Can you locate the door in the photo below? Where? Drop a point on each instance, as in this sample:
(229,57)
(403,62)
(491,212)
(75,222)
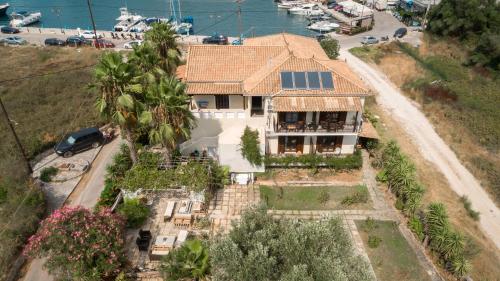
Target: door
(290,144)
(222,101)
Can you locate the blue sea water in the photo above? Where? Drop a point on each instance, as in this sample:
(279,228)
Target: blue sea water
(258,17)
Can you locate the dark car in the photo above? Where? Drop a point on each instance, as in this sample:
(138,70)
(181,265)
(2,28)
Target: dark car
(400,32)
(9,30)
(79,141)
(216,39)
(75,41)
(332,5)
(103,43)
(54,42)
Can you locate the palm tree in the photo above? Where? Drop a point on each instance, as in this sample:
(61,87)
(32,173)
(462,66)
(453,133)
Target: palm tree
(168,114)
(188,261)
(146,59)
(162,37)
(114,80)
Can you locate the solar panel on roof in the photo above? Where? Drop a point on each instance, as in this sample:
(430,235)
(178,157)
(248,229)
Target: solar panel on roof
(286,80)
(327,80)
(313,79)
(300,80)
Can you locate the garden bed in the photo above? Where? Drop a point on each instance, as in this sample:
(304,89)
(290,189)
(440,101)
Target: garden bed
(393,258)
(313,198)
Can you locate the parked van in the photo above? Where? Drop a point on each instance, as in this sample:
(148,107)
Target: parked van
(79,141)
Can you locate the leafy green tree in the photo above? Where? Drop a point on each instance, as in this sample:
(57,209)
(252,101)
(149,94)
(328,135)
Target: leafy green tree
(114,80)
(331,47)
(163,38)
(135,212)
(261,248)
(191,261)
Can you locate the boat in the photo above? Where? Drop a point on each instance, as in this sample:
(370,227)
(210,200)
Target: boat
(126,20)
(306,10)
(323,26)
(289,4)
(142,26)
(3,9)
(20,19)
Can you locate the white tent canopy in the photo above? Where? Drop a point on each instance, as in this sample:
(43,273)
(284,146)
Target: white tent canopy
(355,9)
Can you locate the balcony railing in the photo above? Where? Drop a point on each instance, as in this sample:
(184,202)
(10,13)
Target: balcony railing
(312,127)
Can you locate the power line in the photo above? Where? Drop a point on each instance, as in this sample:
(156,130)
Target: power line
(46,74)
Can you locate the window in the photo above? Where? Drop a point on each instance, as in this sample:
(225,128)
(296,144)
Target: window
(222,101)
(290,144)
(286,80)
(313,79)
(300,80)
(328,144)
(306,80)
(327,80)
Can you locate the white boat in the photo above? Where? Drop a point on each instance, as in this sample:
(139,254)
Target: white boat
(126,20)
(182,27)
(323,26)
(289,4)
(306,10)
(24,18)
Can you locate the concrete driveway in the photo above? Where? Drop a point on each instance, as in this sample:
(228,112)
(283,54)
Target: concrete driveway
(86,194)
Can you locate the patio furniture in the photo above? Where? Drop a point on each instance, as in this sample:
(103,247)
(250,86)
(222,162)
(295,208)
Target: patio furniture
(181,237)
(169,211)
(291,127)
(301,125)
(283,126)
(324,125)
(143,240)
(312,126)
(340,125)
(162,246)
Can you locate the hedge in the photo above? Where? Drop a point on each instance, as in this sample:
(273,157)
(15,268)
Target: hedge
(348,162)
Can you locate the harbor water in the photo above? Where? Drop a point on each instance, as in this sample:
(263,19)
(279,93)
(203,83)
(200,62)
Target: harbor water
(258,17)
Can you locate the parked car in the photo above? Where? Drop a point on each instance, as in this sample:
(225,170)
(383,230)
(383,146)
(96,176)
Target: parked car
(132,44)
(367,40)
(79,141)
(101,43)
(237,41)
(400,32)
(13,40)
(87,34)
(76,41)
(216,39)
(9,30)
(54,42)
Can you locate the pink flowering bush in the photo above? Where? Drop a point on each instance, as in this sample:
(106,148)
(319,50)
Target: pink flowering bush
(80,244)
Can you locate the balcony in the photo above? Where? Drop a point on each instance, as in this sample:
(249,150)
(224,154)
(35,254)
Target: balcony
(313,128)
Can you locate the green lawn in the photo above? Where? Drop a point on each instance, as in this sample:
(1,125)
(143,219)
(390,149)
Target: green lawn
(393,259)
(306,197)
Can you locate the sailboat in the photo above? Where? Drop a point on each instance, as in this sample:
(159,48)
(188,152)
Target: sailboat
(126,20)
(180,25)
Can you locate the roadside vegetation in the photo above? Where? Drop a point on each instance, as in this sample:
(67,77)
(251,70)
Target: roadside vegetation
(42,109)
(331,47)
(390,255)
(315,197)
(250,146)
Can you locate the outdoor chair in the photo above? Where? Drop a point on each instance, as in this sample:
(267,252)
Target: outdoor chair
(301,125)
(312,126)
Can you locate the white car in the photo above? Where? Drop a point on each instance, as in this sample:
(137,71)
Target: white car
(132,44)
(87,34)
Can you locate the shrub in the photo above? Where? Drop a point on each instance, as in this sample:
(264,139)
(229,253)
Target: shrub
(468,207)
(47,173)
(369,224)
(331,47)
(188,262)
(374,241)
(360,196)
(134,211)
(250,146)
(415,225)
(323,197)
(79,244)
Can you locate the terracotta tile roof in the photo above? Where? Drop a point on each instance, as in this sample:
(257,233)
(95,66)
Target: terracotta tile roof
(180,73)
(304,104)
(211,63)
(254,68)
(214,89)
(299,46)
(271,84)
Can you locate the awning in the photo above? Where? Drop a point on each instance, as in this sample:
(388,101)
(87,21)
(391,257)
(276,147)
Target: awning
(326,104)
(368,131)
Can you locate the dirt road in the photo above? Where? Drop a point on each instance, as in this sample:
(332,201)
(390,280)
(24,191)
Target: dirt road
(430,144)
(85,194)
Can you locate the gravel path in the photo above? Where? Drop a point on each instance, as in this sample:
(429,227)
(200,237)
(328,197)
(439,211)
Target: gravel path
(431,146)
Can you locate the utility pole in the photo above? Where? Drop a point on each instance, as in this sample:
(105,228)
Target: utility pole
(6,115)
(93,22)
